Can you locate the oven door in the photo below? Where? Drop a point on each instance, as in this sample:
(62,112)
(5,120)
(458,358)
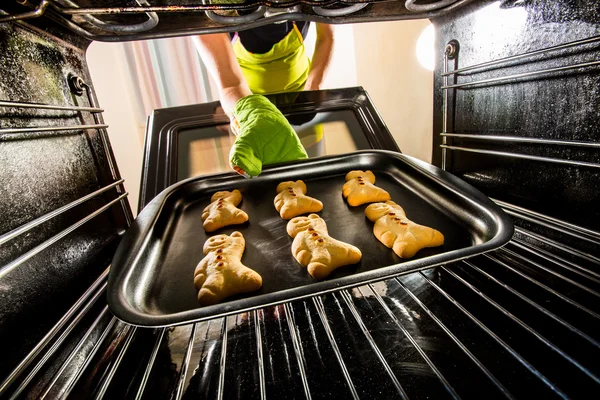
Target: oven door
(187,141)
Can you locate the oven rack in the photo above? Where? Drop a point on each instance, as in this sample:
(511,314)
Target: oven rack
(450,90)
(78,87)
(208,17)
(112,193)
(527,324)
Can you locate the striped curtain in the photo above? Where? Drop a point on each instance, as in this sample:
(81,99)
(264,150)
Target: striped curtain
(168,73)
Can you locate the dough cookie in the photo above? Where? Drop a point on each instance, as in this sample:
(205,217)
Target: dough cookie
(292,201)
(220,273)
(314,249)
(360,189)
(223,211)
(393,229)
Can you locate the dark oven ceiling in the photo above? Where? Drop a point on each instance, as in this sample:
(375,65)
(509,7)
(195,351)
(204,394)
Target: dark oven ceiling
(120,20)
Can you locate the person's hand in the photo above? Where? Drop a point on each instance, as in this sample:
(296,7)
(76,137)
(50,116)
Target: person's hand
(263,136)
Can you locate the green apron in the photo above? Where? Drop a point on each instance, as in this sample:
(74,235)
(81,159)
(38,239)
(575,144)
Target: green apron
(284,68)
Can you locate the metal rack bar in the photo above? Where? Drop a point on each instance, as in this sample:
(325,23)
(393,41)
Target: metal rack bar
(412,6)
(523,325)
(557,245)
(533,304)
(131,330)
(172,8)
(223,359)
(517,139)
(44,245)
(185,365)
(560,223)
(259,352)
(321,311)
(97,23)
(89,357)
(151,361)
(61,14)
(522,75)
(89,298)
(16,104)
(348,300)
(407,334)
(107,149)
(339,12)
(445,107)
(545,287)
(259,12)
(457,341)
(82,342)
(560,276)
(37,12)
(289,316)
(38,221)
(551,226)
(559,261)
(525,55)
(523,156)
(501,342)
(51,128)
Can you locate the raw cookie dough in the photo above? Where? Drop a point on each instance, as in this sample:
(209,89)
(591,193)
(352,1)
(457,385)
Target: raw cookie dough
(292,201)
(220,273)
(394,230)
(360,189)
(223,211)
(314,249)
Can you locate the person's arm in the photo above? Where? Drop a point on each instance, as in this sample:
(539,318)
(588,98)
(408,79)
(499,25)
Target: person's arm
(219,58)
(321,58)
(263,135)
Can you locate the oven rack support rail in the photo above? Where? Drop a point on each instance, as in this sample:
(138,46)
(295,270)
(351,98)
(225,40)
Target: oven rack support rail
(99,360)
(449,96)
(112,194)
(78,87)
(219,17)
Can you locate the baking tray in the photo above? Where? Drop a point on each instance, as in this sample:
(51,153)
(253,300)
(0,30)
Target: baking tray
(151,277)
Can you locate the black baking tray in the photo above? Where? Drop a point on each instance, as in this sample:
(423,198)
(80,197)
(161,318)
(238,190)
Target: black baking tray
(151,278)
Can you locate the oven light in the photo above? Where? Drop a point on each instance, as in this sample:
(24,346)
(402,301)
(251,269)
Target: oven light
(425,48)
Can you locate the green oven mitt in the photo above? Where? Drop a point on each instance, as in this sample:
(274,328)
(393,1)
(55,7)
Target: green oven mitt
(263,136)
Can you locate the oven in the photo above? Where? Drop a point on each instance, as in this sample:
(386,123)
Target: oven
(516,115)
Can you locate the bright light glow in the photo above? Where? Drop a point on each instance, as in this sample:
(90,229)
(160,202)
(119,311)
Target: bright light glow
(492,19)
(425,48)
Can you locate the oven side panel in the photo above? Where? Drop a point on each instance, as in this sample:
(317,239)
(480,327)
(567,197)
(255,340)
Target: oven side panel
(527,134)
(62,208)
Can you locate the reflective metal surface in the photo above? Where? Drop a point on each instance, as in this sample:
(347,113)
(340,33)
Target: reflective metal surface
(118,20)
(60,218)
(150,282)
(521,119)
(520,322)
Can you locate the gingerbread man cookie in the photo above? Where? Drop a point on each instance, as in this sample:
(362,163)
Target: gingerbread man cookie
(292,201)
(393,229)
(360,189)
(220,273)
(314,249)
(223,211)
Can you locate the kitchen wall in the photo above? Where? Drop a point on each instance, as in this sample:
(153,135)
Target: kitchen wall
(401,88)
(110,75)
(381,57)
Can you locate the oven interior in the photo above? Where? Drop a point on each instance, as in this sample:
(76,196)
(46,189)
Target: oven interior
(515,115)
